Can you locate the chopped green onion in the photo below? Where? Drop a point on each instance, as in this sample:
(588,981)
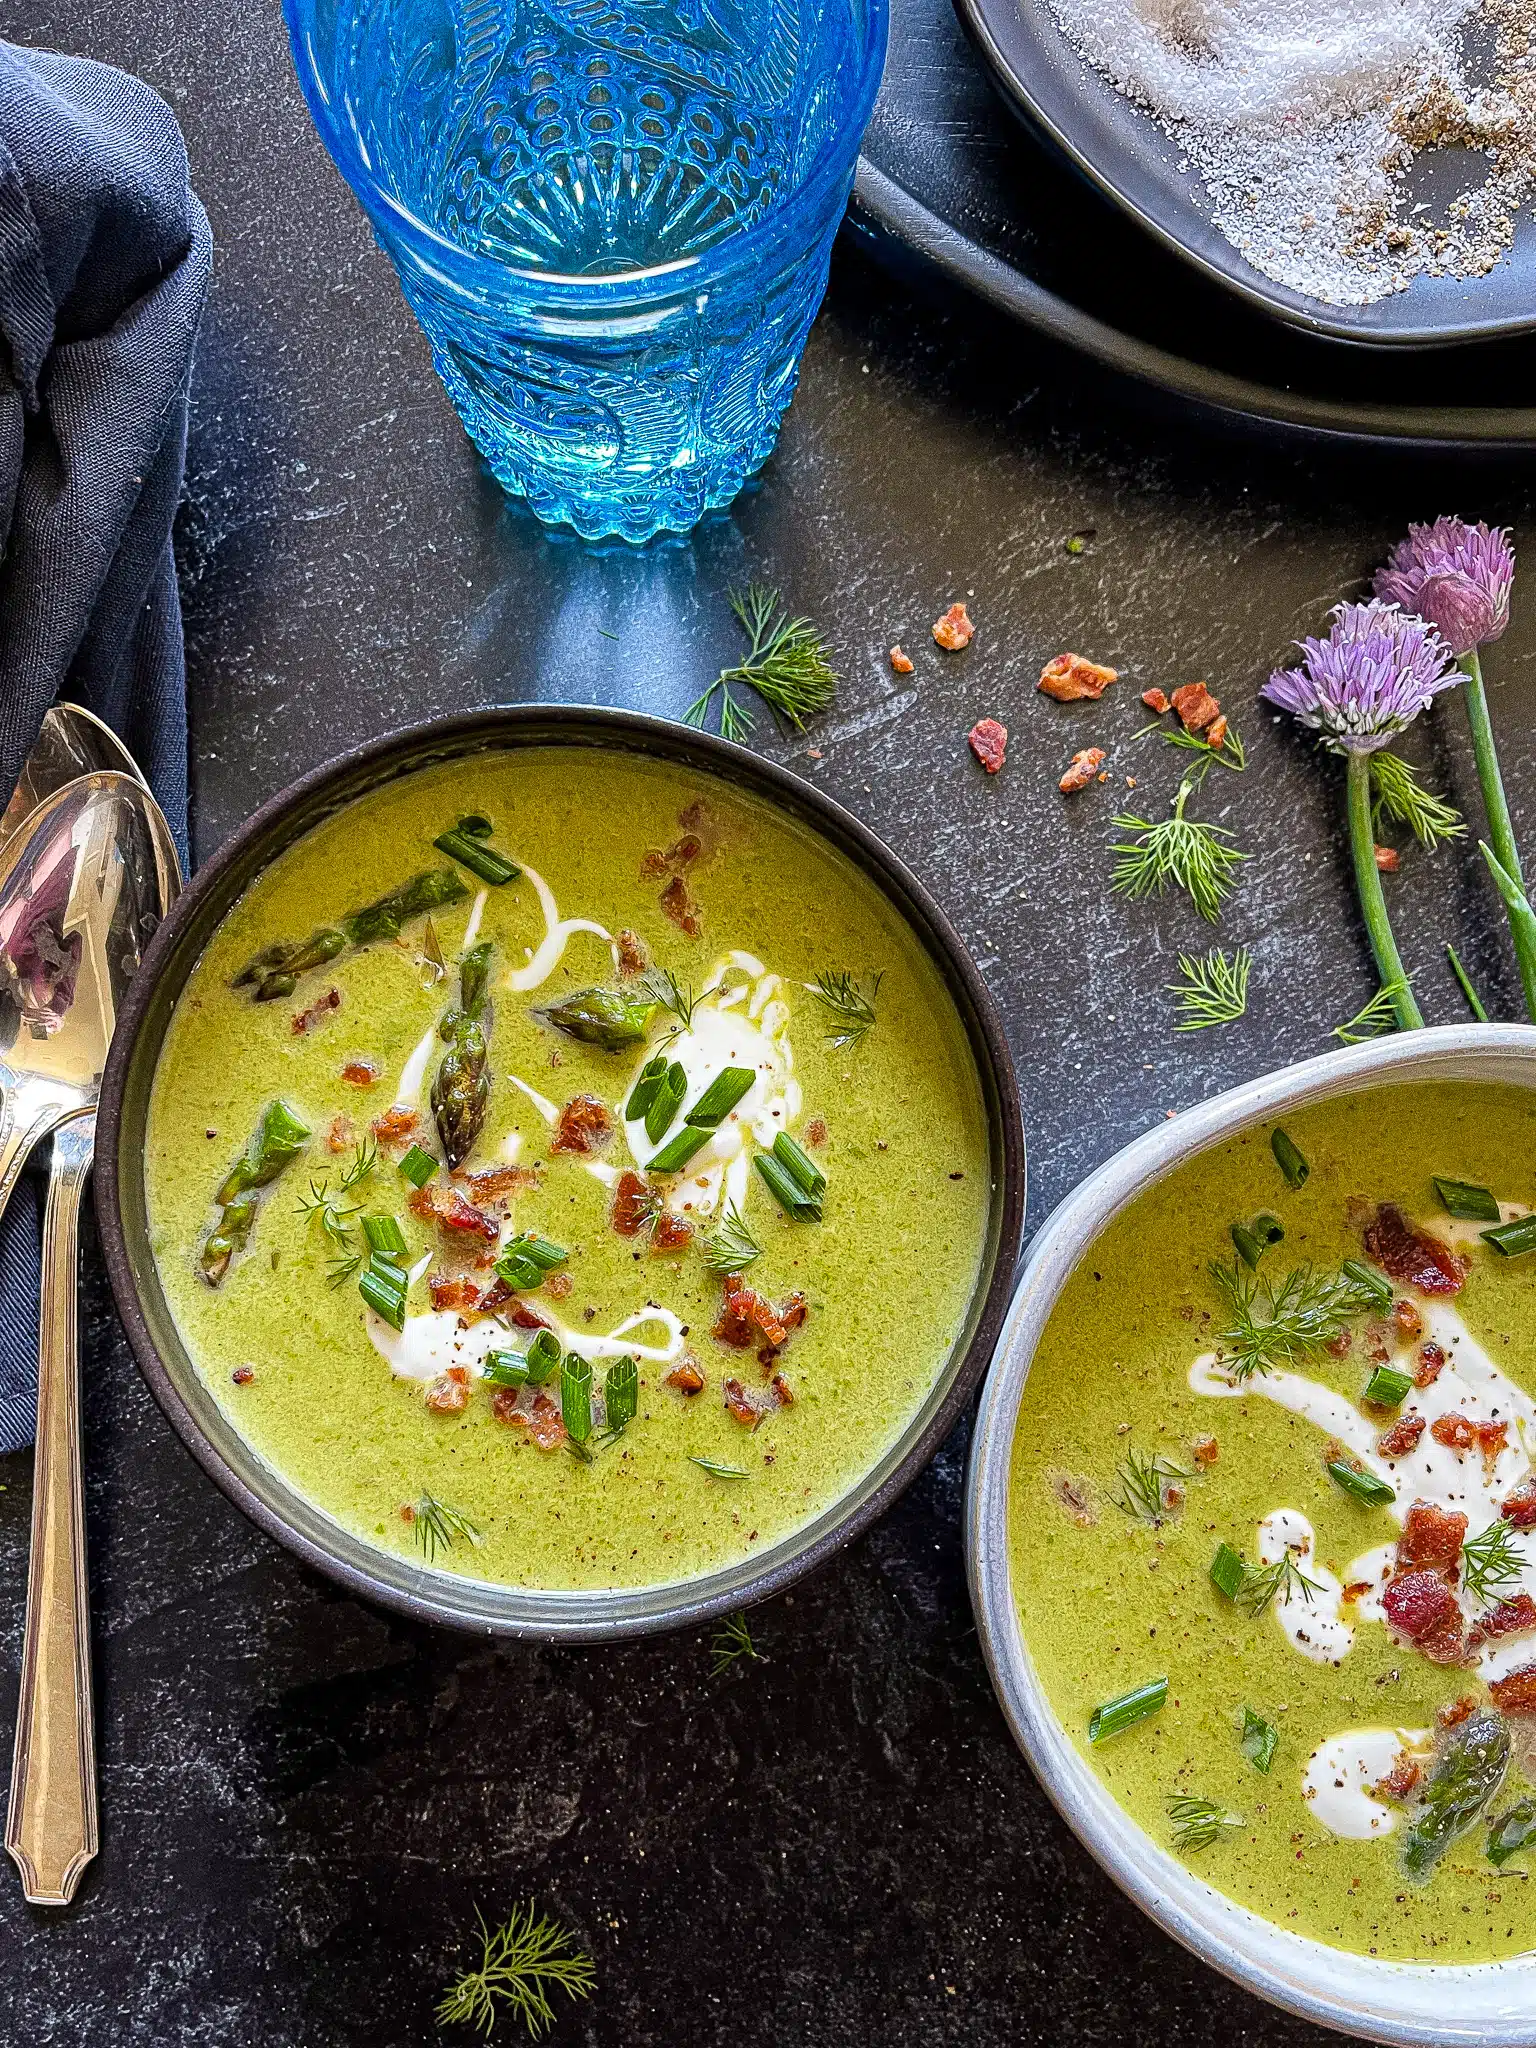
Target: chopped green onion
(1254,1239)
(576,1397)
(1115,1716)
(477,825)
(506,1368)
(1466,1199)
(680,1148)
(542,1358)
(1288,1158)
(786,1191)
(519,1271)
(1258,1740)
(480,859)
(383,1296)
(644,1092)
(538,1249)
(716,1470)
(384,1234)
(418,1166)
(721,1096)
(1516,1831)
(1387,1387)
(621,1394)
(1512,1239)
(666,1102)
(1364,1487)
(800,1166)
(1228,1571)
(1368,1282)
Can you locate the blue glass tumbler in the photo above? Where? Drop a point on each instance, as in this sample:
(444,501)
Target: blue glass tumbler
(612,218)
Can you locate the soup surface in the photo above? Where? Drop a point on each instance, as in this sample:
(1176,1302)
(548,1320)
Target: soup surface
(538,1223)
(1271,1511)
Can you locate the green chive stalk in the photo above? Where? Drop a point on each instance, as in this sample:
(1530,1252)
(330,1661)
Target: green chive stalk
(1373,902)
(1501,831)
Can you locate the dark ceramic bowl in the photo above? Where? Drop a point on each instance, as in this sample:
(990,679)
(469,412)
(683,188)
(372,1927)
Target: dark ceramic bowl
(276,1506)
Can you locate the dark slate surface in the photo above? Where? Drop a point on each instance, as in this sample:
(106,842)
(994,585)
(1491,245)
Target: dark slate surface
(303,1800)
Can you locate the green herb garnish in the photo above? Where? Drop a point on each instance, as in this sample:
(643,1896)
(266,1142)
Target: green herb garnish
(1258,1741)
(417,1166)
(1515,1831)
(524,1262)
(1231,753)
(275,1143)
(730,1247)
(385,1235)
(787,664)
(334,1216)
(437,1526)
(1379,1014)
(1399,798)
(469,849)
(505,1368)
(542,1358)
(1253,1240)
(1387,1388)
(274,972)
(666,1102)
(1490,1561)
(1283,1580)
(1143,1486)
(1228,1571)
(720,1097)
(621,1395)
(1198,1822)
(668,993)
(1372,1288)
(1464,982)
(1514,1238)
(794,1179)
(730,1643)
(1364,1487)
(680,1148)
(1466,1775)
(1115,1716)
(716,1470)
(1278,1322)
(383,1287)
(520,1963)
(339,1270)
(851,1009)
(1464,1198)
(646,1089)
(364,1159)
(1289,1158)
(800,1166)
(576,1397)
(1194,856)
(1214,988)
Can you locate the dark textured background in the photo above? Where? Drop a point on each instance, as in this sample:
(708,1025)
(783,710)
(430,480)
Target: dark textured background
(303,1799)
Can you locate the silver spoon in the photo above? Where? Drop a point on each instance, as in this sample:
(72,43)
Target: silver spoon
(83,886)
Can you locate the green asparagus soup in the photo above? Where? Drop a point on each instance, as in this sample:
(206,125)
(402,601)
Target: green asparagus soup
(567,1170)
(1270,1514)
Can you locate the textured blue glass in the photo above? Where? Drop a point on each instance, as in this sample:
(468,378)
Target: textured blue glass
(613,219)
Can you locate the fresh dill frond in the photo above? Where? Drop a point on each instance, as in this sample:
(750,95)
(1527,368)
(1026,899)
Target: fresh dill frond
(1198,1822)
(664,989)
(843,997)
(333,1214)
(1283,1580)
(1379,1015)
(1194,856)
(1399,798)
(521,1962)
(1278,1322)
(364,1160)
(730,1246)
(787,663)
(1464,983)
(340,1269)
(730,1643)
(1214,989)
(1231,753)
(1144,1483)
(1491,1561)
(438,1527)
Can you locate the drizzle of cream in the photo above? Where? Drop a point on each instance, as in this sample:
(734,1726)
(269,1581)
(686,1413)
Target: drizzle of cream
(437,1339)
(1309,1616)
(541,1103)
(558,932)
(414,1072)
(472,928)
(1339,1778)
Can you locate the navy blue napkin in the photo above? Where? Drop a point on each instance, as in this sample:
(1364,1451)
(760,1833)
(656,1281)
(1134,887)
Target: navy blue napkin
(105,257)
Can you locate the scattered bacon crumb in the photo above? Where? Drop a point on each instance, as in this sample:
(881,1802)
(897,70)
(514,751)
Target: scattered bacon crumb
(902,663)
(1412,1257)
(670,1233)
(747,1407)
(504,1403)
(1421,1608)
(794,1311)
(407,1513)
(1519,1508)
(339,1137)
(685,1376)
(633,958)
(1431,1541)
(447,1208)
(633,1204)
(989,743)
(1070,679)
(746,1313)
(1081,770)
(1340,1346)
(1073,1496)
(653,865)
(1455,1431)
(678,904)
(1405,1773)
(1492,1439)
(1206,1451)
(1402,1437)
(1357,1589)
(1430,1365)
(243,1375)
(1515,1694)
(1454,1712)
(318,1011)
(816,1131)
(1407,1318)
(682,853)
(558,1286)
(454,1291)
(448,1394)
(585,1126)
(496,1183)
(1387,859)
(1156,700)
(361,1073)
(542,1421)
(1196,707)
(782,1388)
(523,1317)
(954,630)
(1508,1618)
(395,1126)
(1216,734)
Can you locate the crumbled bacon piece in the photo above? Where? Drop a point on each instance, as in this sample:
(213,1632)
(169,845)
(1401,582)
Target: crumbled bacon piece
(678,904)
(682,853)
(558,1286)
(1402,1437)
(1431,1541)
(633,1204)
(744,1314)
(447,1208)
(670,1233)
(1081,770)
(1216,734)
(781,1387)
(243,1375)
(1519,1508)
(454,1291)
(1074,1498)
(361,1073)
(1387,859)
(653,865)
(504,1403)
(794,1311)
(1508,1618)
(685,1376)
(1412,1257)
(1407,1319)
(1515,1694)
(1206,1450)
(1070,679)
(633,958)
(989,743)
(1340,1346)
(395,1126)
(1196,707)
(542,1421)
(306,1020)
(585,1125)
(1455,1431)
(1421,1608)
(522,1317)
(816,1131)
(954,629)
(448,1393)
(1357,1589)
(339,1137)
(496,1183)
(1492,1439)
(1156,700)
(1431,1363)
(1404,1775)
(747,1407)
(1454,1712)
(902,663)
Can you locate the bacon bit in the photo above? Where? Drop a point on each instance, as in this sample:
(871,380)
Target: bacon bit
(1407,1318)
(782,1388)
(1387,859)
(243,1375)
(1509,1618)
(395,1126)
(1216,734)
(454,1291)
(1405,1773)
(749,1408)
(447,1395)
(1070,679)
(633,1204)
(1431,1541)
(1430,1366)
(447,1208)
(653,865)
(1156,700)
(1412,1257)
(816,1131)
(1455,1431)
(407,1513)
(902,663)
(558,1286)
(1081,770)
(1206,1451)
(633,958)
(1421,1608)
(585,1126)
(498,1182)
(306,1020)
(678,904)
(504,1404)
(989,743)
(542,1422)
(794,1311)
(1340,1346)
(361,1073)
(1357,1589)
(670,1233)
(1402,1437)
(339,1137)
(745,1314)
(522,1317)
(1515,1694)
(1454,1712)
(954,630)
(685,1376)
(1519,1509)
(1072,1495)
(1492,1438)
(1196,707)
(682,853)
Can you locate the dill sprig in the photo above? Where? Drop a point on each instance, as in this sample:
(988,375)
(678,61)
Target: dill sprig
(364,1160)
(1214,990)
(1231,753)
(1283,1580)
(1490,1561)
(1144,1483)
(787,664)
(730,1643)
(438,1527)
(851,1010)
(1379,1015)
(1194,856)
(1198,1822)
(1399,798)
(730,1246)
(1464,983)
(339,1270)
(1276,1322)
(521,1962)
(334,1214)
(663,988)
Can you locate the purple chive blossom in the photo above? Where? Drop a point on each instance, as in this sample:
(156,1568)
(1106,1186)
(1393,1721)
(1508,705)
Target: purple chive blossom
(1455,575)
(1369,679)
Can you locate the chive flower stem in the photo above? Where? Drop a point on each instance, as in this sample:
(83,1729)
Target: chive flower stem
(1373,902)
(1501,830)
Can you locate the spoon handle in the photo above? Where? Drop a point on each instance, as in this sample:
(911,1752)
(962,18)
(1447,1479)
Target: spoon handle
(51,1827)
